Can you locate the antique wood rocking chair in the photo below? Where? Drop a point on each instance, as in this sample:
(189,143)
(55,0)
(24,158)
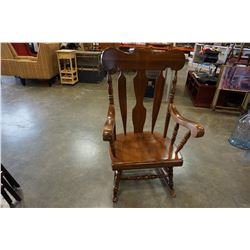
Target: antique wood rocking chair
(144,149)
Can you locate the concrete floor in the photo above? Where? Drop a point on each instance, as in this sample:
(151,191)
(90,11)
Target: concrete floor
(52,144)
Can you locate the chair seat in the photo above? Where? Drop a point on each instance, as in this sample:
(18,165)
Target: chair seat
(140,150)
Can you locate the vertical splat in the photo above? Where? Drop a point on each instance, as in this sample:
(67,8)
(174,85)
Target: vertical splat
(139,111)
(172,141)
(122,92)
(159,87)
(110,89)
(183,142)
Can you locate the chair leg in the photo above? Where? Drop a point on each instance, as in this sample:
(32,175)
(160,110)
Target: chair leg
(51,81)
(23,81)
(171,181)
(167,179)
(117,176)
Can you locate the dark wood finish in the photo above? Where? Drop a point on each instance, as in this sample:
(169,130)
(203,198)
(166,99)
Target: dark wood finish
(168,179)
(200,94)
(196,129)
(122,91)
(110,89)
(183,142)
(109,131)
(109,127)
(175,132)
(142,60)
(117,177)
(159,87)
(144,149)
(170,100)
(139,111)
(143,177)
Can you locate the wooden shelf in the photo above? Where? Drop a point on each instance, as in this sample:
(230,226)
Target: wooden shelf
(67,77)
(69,71)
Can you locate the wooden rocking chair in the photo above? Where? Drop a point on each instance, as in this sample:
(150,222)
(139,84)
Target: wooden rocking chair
(144,149)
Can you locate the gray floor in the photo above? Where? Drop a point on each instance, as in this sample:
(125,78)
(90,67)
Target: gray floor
(52,144)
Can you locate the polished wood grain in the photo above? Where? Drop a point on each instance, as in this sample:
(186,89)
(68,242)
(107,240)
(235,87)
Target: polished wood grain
(110,89)
(170,100)
(183,142)
(175,132)
(122,92)
(159,88)
(109,131)
(109,126)
(173,138)
(143,177)
(139,111)
(144,149)
(142,59)
(196,129)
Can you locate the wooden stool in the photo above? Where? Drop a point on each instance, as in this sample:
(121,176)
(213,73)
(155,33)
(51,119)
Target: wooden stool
(67,66)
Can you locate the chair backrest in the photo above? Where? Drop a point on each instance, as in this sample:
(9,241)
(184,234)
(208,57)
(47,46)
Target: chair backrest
(6,52)
(141,60)
(22,49)
(47,58)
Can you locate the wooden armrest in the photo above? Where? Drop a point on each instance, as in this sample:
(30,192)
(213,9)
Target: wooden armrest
(108,131)
(196,129)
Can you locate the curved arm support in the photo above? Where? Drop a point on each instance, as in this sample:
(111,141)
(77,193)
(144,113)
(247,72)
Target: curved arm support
(196,129)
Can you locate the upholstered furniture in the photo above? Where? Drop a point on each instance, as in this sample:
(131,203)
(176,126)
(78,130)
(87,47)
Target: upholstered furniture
(140,149)
(43,66)
(22,49)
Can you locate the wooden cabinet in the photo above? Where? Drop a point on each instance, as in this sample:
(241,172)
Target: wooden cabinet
(67,66)
(201,94)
